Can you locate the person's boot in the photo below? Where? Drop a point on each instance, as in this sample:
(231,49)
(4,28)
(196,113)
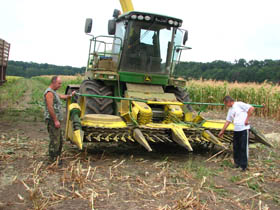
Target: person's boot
(60,162)
(244,169)
(52,159)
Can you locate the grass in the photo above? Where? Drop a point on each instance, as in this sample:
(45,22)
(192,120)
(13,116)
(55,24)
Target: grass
(227,163)
(12,78)
(254,185)
(200,170)
(12,91)
(42,82)
(66,80)
(22,98)
(235,178)
(31,114)
(220,191)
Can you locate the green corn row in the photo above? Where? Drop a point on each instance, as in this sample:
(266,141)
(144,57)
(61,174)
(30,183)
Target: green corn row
(213,92)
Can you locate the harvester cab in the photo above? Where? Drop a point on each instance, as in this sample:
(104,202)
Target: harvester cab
(142,48)
(130,93)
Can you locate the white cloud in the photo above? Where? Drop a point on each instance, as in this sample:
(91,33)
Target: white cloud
(52,31)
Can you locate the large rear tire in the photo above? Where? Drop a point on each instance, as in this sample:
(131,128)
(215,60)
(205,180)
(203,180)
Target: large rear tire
(97,105)
(181,95)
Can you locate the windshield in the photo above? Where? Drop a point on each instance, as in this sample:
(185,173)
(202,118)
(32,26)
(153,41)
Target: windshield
(146,47)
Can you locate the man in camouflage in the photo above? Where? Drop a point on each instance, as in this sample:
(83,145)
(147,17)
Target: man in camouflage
(53,117)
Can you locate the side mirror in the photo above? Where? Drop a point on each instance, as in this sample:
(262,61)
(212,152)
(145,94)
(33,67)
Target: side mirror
(88,25)
(116,13)
(112,27)
(185,39)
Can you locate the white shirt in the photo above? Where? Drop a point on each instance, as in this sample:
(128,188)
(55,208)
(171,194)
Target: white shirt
(238,114)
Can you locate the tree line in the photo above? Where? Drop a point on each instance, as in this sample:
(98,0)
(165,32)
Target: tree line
(240,70)
(31,69)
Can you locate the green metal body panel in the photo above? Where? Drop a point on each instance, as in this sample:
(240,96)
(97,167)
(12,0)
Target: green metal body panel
(133,77)
(177,82)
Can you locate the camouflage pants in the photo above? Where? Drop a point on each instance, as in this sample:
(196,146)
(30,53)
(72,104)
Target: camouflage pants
(56,140)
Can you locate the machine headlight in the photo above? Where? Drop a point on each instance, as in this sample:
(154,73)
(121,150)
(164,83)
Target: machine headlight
(176,23)
(133,17)
(170,22)
(147,18)
(180,24)
(111,77)
(140,17)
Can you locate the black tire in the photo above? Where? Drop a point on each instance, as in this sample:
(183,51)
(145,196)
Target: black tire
(97,105)
(181,95)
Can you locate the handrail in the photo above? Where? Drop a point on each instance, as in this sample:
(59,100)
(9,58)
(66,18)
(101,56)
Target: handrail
(149,101)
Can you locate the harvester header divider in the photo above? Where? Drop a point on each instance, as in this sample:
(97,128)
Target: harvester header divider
(156,102)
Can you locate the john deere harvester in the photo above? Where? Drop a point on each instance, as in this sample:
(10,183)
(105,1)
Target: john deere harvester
(131,94)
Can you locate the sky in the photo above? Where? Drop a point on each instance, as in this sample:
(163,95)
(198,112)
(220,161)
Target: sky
(52,31)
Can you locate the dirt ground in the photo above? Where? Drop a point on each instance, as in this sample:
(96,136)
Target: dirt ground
(126,176)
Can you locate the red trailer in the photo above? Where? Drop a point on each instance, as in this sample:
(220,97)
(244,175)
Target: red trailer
(4,56)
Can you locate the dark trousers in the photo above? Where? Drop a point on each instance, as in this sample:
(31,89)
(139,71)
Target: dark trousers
(56,140)
(240,148)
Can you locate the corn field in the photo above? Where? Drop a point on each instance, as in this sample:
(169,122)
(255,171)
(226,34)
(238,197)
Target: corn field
(266,94)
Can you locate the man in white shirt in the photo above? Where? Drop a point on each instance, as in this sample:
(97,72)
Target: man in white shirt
(238,113)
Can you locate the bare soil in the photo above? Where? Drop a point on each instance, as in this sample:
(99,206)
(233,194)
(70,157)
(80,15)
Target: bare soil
(126,176)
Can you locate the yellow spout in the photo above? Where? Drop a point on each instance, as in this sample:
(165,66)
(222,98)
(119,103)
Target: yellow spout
(127,5)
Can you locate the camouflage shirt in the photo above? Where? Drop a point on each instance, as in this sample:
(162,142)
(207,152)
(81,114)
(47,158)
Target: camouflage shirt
(57,105)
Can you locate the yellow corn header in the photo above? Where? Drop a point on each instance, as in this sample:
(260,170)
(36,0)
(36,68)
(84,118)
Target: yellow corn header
(135,125)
